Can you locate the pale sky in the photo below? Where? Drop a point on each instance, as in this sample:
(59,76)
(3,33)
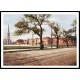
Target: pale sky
(64,20)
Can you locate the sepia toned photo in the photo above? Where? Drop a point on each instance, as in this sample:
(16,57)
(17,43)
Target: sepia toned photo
(39,39)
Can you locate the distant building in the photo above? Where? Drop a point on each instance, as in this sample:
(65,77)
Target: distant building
(7,40)
(4,41)
(47,41)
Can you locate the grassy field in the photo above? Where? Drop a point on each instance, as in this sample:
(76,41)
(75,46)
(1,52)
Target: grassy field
(19,47)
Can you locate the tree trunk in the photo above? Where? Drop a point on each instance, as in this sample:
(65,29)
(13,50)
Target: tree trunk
(75,36)
(41,45)
(51,36)
(57,46)
(67,42)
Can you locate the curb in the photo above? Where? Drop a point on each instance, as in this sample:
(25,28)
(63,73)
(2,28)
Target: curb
(20,50)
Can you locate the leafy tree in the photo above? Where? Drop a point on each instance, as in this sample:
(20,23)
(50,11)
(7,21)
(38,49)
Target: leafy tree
(32,22)
(20,41)
(74,24)
(57,33)
(67,35)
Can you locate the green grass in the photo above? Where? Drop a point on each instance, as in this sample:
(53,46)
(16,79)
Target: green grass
(18,47)
(27,47)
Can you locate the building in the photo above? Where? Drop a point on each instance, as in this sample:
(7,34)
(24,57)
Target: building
(7,41)
(47,41)
(4,41)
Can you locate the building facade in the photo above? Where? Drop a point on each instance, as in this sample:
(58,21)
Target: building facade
(47,41)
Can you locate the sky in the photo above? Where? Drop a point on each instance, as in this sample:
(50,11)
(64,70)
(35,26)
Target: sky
(64,20)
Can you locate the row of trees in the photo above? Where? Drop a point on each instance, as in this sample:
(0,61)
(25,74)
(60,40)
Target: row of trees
(33,23)
(67,34)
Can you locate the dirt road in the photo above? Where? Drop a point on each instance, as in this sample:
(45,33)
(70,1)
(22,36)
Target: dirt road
(62,56)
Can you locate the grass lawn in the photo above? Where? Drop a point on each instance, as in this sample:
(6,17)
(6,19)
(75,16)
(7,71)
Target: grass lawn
(27,47)
(18,47)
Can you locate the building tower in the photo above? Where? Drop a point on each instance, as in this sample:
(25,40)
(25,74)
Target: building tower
(8,36)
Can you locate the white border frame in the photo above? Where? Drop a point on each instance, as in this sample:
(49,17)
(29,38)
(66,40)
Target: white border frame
(77,13)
